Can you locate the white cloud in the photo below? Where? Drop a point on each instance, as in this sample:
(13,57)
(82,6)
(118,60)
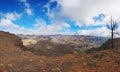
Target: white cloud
(11,16)
(49,12)
(7,19)
(66,25)
(103,31)
(52,13)
(83,11)
(80,11)
(27,7)
(39,28)
(7,23)
(53,28)
(29,12)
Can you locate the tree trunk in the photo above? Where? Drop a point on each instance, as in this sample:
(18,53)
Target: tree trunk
(112,39)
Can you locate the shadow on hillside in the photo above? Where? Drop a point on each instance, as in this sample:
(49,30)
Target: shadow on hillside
(107,46)
(48,48)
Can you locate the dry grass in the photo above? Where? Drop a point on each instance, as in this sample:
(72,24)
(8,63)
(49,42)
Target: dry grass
(27,42)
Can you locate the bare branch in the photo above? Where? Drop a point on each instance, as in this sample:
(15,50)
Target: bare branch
(113,25)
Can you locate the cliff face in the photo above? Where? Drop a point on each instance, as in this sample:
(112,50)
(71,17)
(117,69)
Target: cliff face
(9,39)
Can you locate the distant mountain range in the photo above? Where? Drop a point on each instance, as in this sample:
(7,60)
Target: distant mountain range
(78,41)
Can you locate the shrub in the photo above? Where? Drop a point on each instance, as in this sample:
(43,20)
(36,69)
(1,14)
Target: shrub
(66,67)
(117,61)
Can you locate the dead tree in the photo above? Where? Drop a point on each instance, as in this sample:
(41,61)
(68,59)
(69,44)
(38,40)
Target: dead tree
(112,26)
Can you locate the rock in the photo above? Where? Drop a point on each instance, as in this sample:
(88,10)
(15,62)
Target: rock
(84,63)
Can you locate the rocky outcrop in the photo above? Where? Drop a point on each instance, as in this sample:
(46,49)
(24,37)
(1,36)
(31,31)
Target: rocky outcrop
(10,39)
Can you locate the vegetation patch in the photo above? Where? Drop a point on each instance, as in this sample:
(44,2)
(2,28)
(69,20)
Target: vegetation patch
(66,67)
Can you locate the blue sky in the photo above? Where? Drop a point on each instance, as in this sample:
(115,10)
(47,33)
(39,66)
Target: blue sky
(48,17)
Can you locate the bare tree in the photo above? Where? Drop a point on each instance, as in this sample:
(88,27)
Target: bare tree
(112,26)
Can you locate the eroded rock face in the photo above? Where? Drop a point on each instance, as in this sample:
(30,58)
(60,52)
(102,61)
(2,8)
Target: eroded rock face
(10,39)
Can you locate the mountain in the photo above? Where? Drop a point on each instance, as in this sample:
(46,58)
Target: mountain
(95,39)
(76,41)
(55,45)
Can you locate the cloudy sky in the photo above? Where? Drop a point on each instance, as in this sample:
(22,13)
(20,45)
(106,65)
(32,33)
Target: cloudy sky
(48,17)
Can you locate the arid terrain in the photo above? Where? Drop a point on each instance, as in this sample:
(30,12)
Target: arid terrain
(52,54)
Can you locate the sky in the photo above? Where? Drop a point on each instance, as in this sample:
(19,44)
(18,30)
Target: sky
(67,17)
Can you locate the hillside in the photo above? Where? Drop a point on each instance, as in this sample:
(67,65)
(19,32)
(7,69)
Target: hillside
(49,48)
(107,44)
(14,58)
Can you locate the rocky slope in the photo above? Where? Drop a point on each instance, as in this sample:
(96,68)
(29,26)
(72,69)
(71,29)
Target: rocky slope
(107,44)
(13,58)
